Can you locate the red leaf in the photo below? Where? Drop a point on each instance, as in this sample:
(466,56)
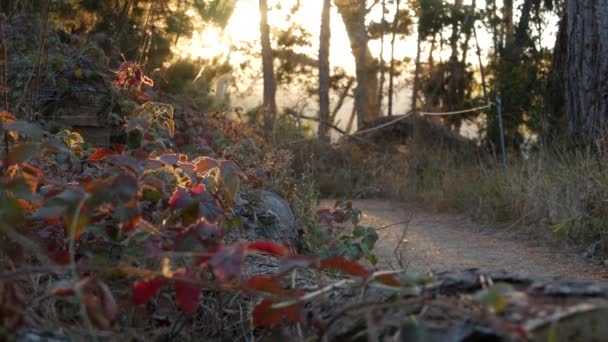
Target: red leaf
(325,216)
(269,248)
(348,266)
(228,262)
(180,199)
(143,290)
(265,284)
(100,154)
(342,216)
(61,257)
(265,316)
(63,292)
(118,148)
(186,292)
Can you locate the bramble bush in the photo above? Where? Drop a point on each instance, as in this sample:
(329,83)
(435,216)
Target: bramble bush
(97,240)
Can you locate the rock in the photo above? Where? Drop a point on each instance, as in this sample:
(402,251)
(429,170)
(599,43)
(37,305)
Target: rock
(593,250)
(276,206)
(266,216)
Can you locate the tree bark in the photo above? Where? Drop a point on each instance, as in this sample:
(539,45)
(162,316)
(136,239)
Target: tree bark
(587,68)
(416,75)
(324,40)
(391,85)
(382,62)
(352,14)
(270,85)
(555,121)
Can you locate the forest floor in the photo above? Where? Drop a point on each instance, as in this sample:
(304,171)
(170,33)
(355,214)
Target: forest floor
(440,242)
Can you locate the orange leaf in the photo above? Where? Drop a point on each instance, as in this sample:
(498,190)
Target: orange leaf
(100,154)
(269,248)
(388,279)
(342,264)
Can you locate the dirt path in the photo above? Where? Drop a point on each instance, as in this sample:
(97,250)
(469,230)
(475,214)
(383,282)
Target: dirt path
(437,242)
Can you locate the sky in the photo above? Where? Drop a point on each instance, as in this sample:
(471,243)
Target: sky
(243,27)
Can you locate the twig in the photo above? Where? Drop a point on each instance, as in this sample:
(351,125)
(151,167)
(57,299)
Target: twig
(36,90)
(74,270)
(4,92)
(397,252)
(392,225)
(313,294)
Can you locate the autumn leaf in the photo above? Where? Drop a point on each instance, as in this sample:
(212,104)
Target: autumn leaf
(264,315)
(180,199)
(23,153)
(144,290)
(170,126)
(347,266)
(187,293)
(388,279)
(100,154)
(265,284)
(325,216)
(269,248)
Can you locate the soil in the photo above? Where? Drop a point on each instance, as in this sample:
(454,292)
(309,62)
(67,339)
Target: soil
(439,242)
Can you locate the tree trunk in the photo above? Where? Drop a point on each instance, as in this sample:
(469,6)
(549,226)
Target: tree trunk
(587,68)
(416,75)
(507,22)
(391,85)
(324,71)
(352,14)
(270,85)
(382,63)
(455,30)
(555,121)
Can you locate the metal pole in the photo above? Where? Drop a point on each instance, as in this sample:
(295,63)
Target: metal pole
(502,138)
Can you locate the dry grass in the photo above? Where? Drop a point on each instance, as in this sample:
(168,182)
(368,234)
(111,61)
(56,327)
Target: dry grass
(554,192)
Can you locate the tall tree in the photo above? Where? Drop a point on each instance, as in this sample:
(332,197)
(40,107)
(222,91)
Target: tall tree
(324,40)
(353,14)
(270,85)
(382,62)
(587,68)
(391,82)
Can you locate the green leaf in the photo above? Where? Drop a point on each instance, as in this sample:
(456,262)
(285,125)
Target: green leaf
(358,231)
(494,296)
(27,128)
(373,259)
